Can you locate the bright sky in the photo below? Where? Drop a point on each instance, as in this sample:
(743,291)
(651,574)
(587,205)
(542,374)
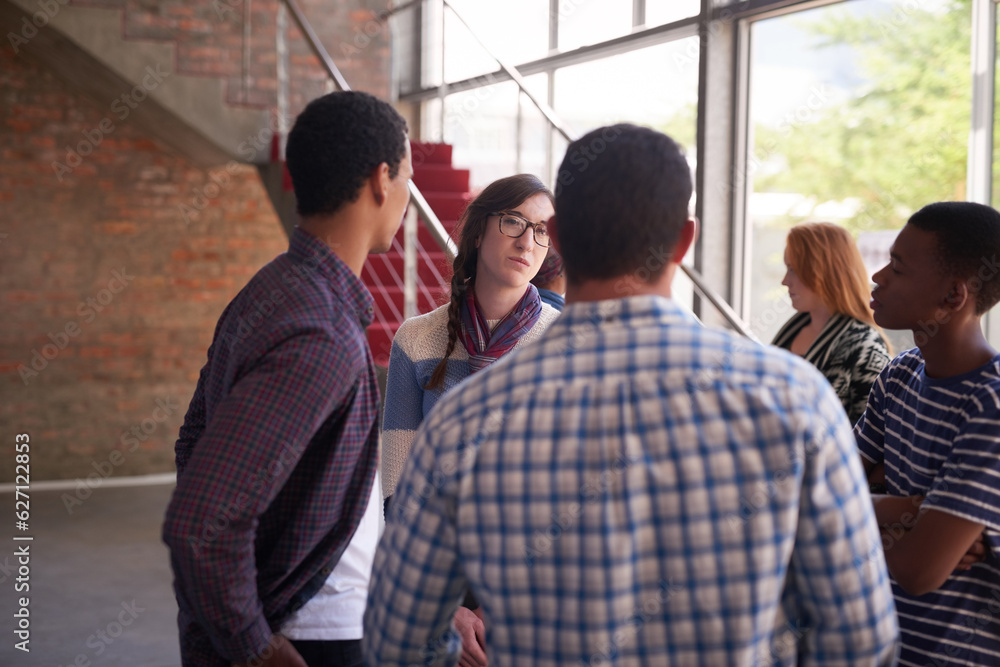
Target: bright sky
(789,69)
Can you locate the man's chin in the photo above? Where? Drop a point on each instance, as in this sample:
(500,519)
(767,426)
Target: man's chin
(380,248)
(887,323)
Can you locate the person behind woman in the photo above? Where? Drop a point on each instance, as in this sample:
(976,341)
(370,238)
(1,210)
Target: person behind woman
(493,310)
(551,280)
(834,328)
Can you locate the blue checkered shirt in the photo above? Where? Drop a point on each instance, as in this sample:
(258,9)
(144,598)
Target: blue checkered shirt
(636,489)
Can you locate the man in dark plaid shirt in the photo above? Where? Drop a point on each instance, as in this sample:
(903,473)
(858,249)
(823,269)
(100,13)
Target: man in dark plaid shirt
(279,449)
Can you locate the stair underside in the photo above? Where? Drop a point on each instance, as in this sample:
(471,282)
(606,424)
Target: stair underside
(85,46)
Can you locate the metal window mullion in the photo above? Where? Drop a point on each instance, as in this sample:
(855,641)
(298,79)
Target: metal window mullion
(638,13)
(642,39)
(518,135)
(410,263)
(984,39)
(281,56)
(717,164)
(979,176)
(444,83)
(550,158)
(553,25)
(742,238)
(764,9)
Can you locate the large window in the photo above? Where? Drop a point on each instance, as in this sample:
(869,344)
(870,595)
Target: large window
(659,12)
(656,86)
(497,130)
(859,115)
(583,23)
(516,31)
(481,124)
(854,112)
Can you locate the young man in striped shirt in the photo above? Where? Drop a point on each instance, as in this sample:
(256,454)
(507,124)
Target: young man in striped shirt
(933,425)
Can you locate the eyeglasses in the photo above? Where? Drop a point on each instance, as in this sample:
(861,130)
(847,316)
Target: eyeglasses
(515,226)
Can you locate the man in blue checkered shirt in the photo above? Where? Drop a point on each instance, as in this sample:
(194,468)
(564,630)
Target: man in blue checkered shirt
(634,488)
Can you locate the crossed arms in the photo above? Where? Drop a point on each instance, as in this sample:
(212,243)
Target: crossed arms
(923,546)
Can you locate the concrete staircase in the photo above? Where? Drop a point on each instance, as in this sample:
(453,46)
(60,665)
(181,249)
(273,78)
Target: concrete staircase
(138,72)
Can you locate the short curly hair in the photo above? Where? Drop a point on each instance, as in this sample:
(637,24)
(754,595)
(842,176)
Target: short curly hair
(968,236)
(336,143)
(621,203)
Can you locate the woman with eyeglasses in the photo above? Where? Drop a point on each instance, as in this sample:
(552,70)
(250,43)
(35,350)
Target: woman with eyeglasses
(493,310)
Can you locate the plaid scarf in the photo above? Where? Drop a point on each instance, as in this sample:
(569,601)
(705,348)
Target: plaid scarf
(485,347)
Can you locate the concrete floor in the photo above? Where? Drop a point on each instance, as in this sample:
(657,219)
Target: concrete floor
(100,581)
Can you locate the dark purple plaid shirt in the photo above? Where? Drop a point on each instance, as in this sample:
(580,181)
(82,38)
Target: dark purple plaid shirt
(277,454)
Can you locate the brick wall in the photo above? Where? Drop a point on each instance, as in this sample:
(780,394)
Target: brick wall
(110,293)
(115,272)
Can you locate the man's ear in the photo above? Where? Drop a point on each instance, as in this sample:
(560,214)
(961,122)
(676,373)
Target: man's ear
(553,229)
(378,182)
(958,295)
(689,233)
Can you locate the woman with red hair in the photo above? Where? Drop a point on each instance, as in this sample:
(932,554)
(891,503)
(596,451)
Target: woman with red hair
(834,328)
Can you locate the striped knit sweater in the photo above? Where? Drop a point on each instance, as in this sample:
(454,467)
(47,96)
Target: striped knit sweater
(416,350)
(849,353)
